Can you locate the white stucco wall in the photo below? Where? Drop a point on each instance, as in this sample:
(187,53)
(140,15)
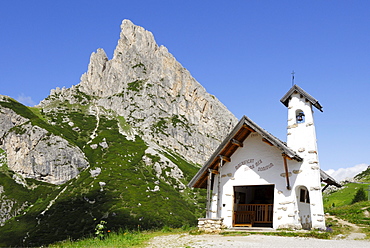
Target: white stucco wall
(258,163)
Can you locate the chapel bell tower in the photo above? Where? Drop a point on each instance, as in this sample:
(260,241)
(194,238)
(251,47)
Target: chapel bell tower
(301,136)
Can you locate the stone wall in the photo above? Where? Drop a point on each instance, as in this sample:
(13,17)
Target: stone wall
(214,225)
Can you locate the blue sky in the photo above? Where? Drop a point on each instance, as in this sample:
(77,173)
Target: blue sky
(243,52)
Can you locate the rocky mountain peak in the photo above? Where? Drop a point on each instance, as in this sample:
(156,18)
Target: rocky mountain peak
(136,37)
(156,95)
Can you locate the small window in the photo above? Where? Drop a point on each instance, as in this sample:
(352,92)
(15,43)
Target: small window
(304,196)
(300,117)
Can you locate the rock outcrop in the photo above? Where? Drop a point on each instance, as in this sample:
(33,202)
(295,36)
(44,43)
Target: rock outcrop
(33,152)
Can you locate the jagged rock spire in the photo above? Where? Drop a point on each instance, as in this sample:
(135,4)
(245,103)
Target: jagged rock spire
(145,84)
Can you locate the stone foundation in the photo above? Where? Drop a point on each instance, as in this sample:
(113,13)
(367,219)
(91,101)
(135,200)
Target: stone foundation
(290,226)
(208,225)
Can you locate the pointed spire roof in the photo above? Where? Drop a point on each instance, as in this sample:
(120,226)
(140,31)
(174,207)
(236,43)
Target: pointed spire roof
(308,97)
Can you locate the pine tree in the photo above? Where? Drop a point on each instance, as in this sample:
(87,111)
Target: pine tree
(359,196)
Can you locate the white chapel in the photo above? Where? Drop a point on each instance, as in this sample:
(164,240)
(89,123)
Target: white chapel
(254,179)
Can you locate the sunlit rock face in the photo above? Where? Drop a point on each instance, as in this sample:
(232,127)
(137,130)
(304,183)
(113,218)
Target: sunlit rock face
(158,97)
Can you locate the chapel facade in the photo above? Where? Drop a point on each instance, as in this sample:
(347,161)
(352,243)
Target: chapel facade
(253,179)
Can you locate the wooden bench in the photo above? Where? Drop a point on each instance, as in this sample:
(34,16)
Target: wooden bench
(244,218)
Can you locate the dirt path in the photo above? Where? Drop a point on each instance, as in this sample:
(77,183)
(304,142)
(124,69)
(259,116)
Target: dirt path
(355,233)
(354,239)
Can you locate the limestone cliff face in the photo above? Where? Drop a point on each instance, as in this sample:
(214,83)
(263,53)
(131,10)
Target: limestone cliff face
(145,84)
(33,152)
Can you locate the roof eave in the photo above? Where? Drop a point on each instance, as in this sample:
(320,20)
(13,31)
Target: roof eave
(216,153)
(285,99)
(328,179)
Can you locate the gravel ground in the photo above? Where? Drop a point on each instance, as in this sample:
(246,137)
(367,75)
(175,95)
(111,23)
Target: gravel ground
(354,239)
(207,240)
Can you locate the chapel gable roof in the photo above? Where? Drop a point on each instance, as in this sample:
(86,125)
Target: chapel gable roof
(232,142)
(308,97)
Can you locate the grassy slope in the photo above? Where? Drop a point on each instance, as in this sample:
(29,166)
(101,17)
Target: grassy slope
(343,196)
(123,238)
(339,203)
(36,197)
(125,201)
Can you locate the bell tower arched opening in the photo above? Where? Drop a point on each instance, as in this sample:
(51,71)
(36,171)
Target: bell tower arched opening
(299,116)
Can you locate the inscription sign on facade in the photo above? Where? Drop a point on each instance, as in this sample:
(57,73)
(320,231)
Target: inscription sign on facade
(251,165)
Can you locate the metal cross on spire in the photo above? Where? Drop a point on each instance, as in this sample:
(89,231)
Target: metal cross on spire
(293,77)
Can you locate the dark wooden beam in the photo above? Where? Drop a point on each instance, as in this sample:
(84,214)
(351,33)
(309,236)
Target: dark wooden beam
(287,157)
(236,142)
(209,184)
(224,158)
(286,172)
(325,188)
(248,128)
(202,182)
(266,141)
